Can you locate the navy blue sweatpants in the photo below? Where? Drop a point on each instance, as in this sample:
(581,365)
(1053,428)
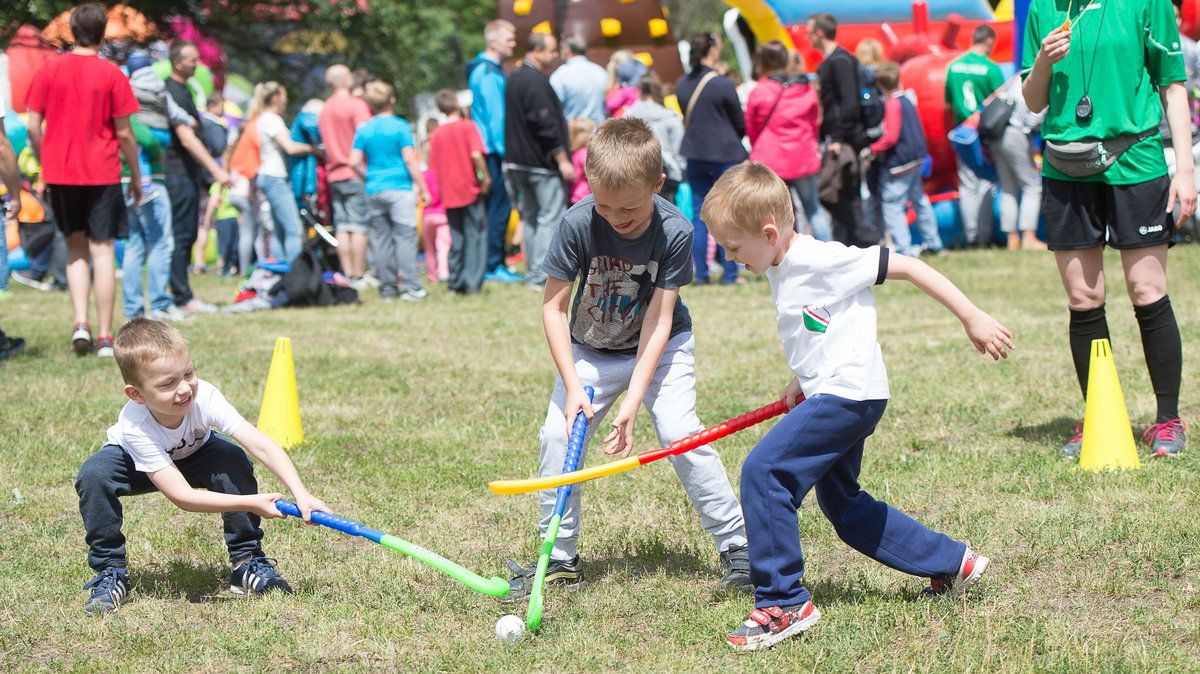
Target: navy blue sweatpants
(820,444)
(219,465)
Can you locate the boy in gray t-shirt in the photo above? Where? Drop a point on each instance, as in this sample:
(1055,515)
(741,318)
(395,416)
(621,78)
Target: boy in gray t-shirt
(627,333)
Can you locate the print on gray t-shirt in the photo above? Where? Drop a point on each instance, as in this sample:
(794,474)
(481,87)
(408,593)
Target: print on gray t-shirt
(618,276)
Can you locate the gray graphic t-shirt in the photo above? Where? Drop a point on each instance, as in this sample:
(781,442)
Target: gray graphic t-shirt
(617,275)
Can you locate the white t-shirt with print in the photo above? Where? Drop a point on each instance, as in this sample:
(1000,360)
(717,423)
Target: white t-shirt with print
(274,163)
(154,447)
(825,314)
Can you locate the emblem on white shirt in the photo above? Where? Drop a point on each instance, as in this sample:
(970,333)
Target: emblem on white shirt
(816,319)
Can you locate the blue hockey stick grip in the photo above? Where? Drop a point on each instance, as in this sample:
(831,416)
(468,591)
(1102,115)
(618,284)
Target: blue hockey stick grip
(574,449)
(346,526)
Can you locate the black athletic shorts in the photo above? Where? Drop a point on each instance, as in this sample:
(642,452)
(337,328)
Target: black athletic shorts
(1086,215)
(97,210)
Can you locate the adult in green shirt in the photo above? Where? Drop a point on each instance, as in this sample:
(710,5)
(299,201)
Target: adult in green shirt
(1107,75)
(970,79)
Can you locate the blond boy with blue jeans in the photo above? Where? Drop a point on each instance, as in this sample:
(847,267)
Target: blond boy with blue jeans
(826,319)
(626,331)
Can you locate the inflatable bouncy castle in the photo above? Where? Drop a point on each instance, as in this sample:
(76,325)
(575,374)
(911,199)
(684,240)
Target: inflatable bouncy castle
(641,26)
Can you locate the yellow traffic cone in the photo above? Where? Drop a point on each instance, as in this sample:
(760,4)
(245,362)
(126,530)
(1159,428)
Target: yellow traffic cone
(1107,437)
(279,416)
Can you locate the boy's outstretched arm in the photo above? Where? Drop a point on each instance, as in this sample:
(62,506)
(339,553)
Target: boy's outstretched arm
(656,332)
(277,461)
(175,487)
(555,302)
(986,333)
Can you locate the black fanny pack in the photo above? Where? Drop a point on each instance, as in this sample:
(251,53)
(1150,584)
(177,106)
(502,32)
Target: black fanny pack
(1083,158)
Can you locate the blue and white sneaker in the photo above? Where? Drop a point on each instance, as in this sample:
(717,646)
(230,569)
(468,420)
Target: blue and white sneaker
(257,575)
(109,589)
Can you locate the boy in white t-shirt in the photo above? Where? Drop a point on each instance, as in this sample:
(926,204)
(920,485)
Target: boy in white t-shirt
(163,441)
(827,322)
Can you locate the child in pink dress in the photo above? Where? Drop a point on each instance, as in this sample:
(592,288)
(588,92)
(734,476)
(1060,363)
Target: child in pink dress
(579,131)
(435,230)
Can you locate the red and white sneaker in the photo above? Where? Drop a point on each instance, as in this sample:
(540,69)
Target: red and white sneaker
(954,587)
(768,626)
(81,338)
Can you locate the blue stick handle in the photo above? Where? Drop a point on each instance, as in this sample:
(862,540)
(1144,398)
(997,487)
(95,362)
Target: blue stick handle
(574,449)
(346,526)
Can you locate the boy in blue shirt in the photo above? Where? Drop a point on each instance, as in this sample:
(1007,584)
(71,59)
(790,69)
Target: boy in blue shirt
(826,319)
(164,441)
(385,142)
(627,333)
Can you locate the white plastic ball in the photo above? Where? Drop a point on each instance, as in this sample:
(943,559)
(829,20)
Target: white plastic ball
(510,629)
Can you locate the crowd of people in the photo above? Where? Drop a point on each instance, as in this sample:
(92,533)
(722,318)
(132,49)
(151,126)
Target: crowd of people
(587,157)
(521,141)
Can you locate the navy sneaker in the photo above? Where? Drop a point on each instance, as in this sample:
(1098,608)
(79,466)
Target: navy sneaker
(561,573)
(10,345)
(768,626)
(109,589)
(257,575)
(736,563)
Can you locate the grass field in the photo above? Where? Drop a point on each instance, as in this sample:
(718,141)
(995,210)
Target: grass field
(409,409)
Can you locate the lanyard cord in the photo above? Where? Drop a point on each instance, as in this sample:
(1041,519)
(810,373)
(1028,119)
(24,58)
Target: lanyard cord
(1086,73)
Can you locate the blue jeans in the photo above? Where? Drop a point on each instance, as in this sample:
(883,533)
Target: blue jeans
(820,444)
(541,199)
(109,475)
(701,175)
(151,241)
(288,239)
(804,198)
(894,192)
(499,208)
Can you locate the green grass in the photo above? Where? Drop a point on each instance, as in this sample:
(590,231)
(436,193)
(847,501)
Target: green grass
(409,409)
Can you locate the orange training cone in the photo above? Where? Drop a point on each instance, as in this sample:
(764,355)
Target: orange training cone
(279,416)
(1107,437)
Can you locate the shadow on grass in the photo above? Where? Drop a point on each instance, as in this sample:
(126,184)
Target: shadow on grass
(1049,433)
(648,558)
(200,583)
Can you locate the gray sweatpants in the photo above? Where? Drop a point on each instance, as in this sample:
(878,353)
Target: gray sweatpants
(541,201)
(1020,182)
(671,401)
(975,201)
(393,239)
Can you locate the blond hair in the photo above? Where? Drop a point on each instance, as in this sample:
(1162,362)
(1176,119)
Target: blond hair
(580,131)
(869,52)
(624,151)
(746,197)
(142,341)
(379,96)
(498,27)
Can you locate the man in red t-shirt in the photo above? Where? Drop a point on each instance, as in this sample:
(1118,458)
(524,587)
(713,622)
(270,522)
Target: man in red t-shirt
(340,118)
(86,103)
(457,156)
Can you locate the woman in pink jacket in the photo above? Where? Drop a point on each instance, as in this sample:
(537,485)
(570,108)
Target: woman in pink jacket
(782,119)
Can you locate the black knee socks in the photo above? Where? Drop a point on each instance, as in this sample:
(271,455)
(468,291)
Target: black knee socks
(1086,325)
(1164,354)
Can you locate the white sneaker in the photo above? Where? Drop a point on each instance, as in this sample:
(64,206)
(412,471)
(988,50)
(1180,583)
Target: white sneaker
(199,306)
(414,295)
(30,282)
(171,313)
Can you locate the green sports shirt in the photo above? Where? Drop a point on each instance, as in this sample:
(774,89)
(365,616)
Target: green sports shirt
(971,78)
(1121,52)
